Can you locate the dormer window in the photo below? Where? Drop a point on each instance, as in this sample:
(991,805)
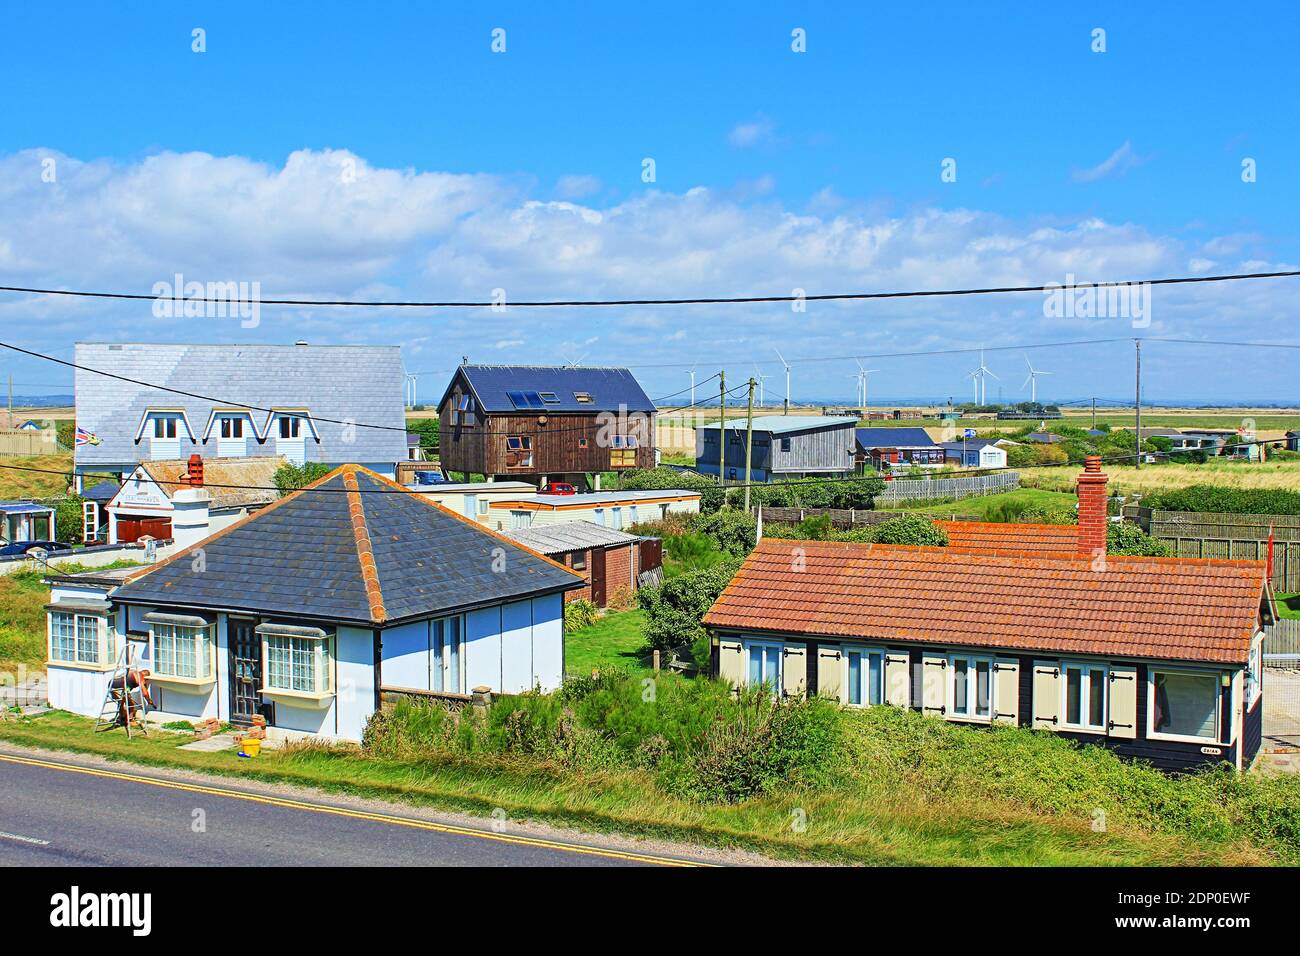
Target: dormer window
(583,398)
(290,429)
(164,428)
(290,426)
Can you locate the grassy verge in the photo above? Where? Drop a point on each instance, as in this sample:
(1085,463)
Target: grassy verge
(1125,479)
(1288,606)
(35,484)
(919,792)
(993,507)
(615,640)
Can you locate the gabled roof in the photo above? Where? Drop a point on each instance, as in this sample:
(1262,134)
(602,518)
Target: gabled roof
(869,438)
(611,389)
(783,424)
(1160,608)
(1045,438)
(354,548)
(345,383)
(569,536)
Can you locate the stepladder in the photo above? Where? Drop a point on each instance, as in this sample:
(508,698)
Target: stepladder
(127,698)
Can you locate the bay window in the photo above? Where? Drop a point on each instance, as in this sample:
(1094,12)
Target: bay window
(79,639)
(298,664)
(1085,696)
(1184,704)
(182,651)
(971,687)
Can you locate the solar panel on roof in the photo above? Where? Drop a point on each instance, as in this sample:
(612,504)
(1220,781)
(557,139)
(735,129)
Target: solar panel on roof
(534,400)
(517,399)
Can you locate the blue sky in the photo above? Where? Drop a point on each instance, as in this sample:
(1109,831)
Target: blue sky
(471,170)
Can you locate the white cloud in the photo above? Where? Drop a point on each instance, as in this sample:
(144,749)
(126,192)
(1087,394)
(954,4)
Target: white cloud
(305,229)
(1117,163)
(755,133)
(577,187)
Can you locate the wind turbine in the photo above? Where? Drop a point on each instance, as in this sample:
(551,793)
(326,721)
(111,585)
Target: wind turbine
(691,373)
(1032,380)
(762,395)
(864,374)
(787,378)
(979,376)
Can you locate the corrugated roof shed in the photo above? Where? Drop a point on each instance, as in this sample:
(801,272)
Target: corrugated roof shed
(353,547)
(568,536)
(361,384)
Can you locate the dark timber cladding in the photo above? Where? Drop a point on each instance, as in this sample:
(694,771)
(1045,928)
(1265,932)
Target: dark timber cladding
(525,421)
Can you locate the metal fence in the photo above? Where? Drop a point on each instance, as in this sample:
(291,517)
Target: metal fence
(1281,702)
(920,489)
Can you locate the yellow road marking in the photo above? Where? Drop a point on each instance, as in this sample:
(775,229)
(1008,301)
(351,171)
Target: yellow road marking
(355,814)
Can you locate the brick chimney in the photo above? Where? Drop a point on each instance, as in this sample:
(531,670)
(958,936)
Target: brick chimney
(194,472)
(1092,509)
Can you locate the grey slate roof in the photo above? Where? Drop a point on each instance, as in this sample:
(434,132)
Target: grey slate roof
(299,559)
(362,384)
(610,388)
(569,536)
(782,424)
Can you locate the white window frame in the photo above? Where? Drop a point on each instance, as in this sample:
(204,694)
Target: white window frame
(866,653)
(972,688)
(1185,738)
(104,641)
(231,423)
(321,653)
(1089,673)
(777,682)
(1252,685)
(205,652)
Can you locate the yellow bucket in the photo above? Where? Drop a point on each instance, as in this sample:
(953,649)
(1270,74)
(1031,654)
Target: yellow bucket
(251,746)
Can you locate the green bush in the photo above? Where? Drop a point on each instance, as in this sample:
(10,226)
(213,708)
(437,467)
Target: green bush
(290,477)
(69,519)
(674,609)
(1125,537)
(658,479)
(692,551)
(909,529)
(732,530)
(579,614)
(1216,498)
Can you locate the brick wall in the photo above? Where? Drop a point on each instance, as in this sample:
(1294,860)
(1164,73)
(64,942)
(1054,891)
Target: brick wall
(620,563)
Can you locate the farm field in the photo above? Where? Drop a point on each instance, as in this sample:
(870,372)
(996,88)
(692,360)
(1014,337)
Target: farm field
(1125,479)
(15,483)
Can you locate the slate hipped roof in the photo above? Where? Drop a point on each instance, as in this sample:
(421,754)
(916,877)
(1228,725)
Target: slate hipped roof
(346,383)
(611,389)
(354,548)
(1162,608)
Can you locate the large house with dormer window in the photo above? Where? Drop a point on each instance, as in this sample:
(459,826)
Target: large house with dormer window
(334,404)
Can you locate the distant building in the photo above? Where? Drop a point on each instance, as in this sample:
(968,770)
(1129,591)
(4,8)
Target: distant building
(545,423)
(336,404)
(611,561)
(884,448)
(784,446)
(975,453)
(609,509)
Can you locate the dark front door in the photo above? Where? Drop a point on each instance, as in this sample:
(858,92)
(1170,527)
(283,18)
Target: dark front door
(245,672)
(597,559)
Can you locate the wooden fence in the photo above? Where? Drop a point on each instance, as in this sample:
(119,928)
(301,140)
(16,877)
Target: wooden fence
(18,441)
(918,489)
(1198,534)
(1283,638)
(848,517)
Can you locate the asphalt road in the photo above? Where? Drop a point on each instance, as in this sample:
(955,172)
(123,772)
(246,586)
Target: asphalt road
(57,813)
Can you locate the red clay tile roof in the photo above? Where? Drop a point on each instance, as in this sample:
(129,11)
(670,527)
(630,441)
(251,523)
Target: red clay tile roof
(1165,608)
(1012,540)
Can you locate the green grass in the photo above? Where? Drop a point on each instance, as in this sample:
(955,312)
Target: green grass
(992,507)
(1288,606)
(884,814)
(615,640)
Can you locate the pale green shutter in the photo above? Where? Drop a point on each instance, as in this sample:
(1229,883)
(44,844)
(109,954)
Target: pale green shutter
(898,678)
(1006,691)
(830,673)
(1122,702)
(1047,694)
(934,685)
(731,661)
(794,670)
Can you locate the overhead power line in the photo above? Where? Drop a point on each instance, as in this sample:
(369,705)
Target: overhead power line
(700,300)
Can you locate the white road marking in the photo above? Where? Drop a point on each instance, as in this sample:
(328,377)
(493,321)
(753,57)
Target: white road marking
(23,839)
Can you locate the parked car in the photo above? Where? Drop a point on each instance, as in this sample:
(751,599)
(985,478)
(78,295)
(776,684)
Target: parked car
(429,478)
(558,488)
(18,548)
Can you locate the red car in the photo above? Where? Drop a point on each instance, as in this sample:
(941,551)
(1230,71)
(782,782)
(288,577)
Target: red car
(558,488)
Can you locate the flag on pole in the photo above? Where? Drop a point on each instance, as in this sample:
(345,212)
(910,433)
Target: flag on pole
(84,437)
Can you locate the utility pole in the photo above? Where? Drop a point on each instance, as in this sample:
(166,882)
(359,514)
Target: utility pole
(722,434)
(1137,461)
(1094,414)
(749,439)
